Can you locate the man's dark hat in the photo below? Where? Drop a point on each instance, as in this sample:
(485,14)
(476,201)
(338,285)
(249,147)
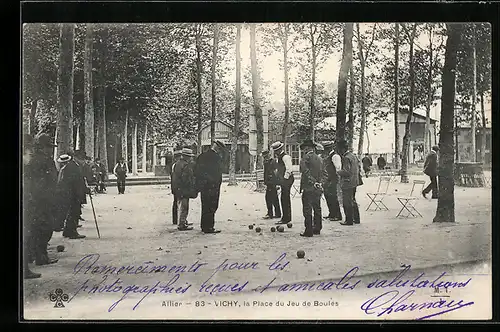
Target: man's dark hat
(329,145)
(435,148)
(342,143)
(43,140)
(307,143)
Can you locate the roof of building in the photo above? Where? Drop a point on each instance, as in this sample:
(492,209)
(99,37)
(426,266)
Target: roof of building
(207,124)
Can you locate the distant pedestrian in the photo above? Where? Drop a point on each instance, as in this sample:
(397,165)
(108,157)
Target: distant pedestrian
(431,170)
(349,182)
(331,164)
(381,163)
(175,207)
(102,175)
(121,170)
(271,181)
(367,164)
(285,180)
(311,169)
(208,173)
(184,186)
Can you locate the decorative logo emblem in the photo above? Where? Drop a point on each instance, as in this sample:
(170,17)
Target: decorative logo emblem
(58,297)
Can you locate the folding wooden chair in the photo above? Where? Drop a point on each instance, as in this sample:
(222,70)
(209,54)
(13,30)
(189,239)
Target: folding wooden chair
(294,190)
(408,202)
(377,198)
(259,180)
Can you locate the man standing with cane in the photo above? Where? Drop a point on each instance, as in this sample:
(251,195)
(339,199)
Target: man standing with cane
(120,171)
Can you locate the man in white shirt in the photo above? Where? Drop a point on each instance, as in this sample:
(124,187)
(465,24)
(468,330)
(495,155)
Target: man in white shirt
(285,180)
(332,164)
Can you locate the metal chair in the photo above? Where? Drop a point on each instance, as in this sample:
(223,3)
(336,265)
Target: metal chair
(377,198)
(408,202)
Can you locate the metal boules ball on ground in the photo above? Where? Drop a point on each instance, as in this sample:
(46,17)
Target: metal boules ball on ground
(281,229)
(289,225)
(250,226)
(273,229)
(301,254)
(60,248)
(257,229)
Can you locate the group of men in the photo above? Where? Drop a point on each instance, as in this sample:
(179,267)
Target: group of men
(53,196)
(330,170)
(190,176)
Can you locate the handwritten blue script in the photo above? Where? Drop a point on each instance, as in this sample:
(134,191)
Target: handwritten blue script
(392,301)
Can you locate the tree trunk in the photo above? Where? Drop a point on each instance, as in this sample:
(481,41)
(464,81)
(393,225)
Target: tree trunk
(154,153)
(396,98)
(445,211)
(474,94)
(125,138)
(65,87)
(483,140)
(259,121)
(145,150)
(367,143)
(362,126)
(103,146)
(429,99)
(284,133)
(198,89)
(313,92)
(345,66)
(115,150)
(32,118)
(237,110)
(77,137)
(352,100)
(214,83)
(134,150)
(87,87)
(56,151)
(407,136)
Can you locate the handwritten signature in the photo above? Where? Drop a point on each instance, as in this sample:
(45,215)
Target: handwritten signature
(392,301)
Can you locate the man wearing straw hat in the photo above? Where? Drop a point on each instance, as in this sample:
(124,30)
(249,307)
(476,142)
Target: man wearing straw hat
(183,186)
(72,189)
(208,173)
(285,180)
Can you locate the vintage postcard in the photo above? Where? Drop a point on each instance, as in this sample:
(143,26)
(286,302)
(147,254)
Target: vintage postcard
(270,171)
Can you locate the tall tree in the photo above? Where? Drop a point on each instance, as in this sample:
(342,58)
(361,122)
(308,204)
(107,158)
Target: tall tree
(199,32)
(396,97)
(284,36)
(445,211)
(345,67)
(474,94)
(88,95)
(102,89)
(65,88)
(145,149)
(352,100)
(411,35)
(125,138)
(237,110)
(364,50)
(257,107)
(214,83)
(134,149)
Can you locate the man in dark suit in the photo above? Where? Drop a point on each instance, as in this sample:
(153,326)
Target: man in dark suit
(285,180)
(183,186)
(311,169)
(331,182)
(175,211)
(381,163)
(350,177)
(72,190)
(431,170)
(367,164)
(208,174)
(270,180)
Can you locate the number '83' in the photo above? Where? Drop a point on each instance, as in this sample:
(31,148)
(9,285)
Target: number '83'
(199,304)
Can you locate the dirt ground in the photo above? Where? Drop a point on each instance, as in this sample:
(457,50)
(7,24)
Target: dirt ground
(136,228)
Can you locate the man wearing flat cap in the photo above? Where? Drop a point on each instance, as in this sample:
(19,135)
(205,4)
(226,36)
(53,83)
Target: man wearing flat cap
(350,180)
(331,163)
(208,174)
(43,190)
(183,186)
(270,180)
(431,170)
(285,180)
(311,169)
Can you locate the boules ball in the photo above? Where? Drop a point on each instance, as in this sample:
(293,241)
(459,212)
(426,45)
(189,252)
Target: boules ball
(301,254)
(250,226)
(60,248)
(273,229)
(281,229)
(257,229)
(289,225)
